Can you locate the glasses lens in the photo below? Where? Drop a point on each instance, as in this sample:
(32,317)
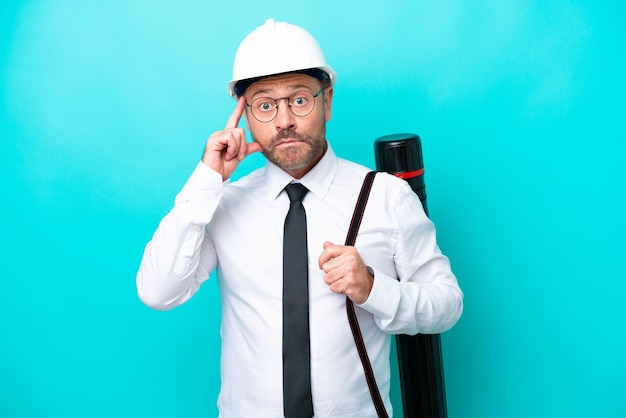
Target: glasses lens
(264,109)
(301,103)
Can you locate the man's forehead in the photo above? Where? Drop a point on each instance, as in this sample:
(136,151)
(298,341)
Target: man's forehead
(282,82)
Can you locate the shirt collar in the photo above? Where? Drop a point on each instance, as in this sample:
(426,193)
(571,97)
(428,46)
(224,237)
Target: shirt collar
(317,180)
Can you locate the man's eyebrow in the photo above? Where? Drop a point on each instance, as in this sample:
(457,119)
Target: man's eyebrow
(295,87)
(292,87)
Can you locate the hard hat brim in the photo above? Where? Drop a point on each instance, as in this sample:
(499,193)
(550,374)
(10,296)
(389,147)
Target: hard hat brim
(237,87)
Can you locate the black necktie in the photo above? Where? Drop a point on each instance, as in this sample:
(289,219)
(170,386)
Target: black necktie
(297,401)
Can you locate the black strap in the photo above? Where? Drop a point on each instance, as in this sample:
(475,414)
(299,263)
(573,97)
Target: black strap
(352,319)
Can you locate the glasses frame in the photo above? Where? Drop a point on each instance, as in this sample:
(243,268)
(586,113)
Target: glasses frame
(288,105)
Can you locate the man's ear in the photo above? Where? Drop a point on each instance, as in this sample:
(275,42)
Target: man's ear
(328,102)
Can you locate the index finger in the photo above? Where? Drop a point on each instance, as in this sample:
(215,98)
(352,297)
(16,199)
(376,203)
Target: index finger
(330,251)
(235,117)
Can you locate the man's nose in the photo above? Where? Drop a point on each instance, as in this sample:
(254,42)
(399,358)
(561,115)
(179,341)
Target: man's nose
(284,118)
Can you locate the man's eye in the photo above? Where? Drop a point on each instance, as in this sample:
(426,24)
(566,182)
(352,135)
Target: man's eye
(299,101)
(264,106)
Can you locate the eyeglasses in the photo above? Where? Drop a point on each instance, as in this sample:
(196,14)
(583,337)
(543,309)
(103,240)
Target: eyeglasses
(300,103)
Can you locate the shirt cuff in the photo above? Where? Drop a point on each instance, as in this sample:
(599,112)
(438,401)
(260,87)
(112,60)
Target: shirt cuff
(201,194)
(384,297)
(202,178)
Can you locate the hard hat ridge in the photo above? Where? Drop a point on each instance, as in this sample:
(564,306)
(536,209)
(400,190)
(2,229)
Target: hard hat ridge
(277,48)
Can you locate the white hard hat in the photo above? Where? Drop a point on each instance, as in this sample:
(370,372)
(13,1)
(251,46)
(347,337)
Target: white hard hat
(277,48)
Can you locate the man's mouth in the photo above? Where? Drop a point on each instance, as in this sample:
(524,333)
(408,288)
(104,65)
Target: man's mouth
(287,138)
(288,142)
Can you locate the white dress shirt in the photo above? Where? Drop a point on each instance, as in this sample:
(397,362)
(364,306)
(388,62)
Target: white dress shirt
(237,228)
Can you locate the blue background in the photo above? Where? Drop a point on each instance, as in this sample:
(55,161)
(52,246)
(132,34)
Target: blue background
(104,111)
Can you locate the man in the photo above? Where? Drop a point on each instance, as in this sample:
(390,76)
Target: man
(395,275)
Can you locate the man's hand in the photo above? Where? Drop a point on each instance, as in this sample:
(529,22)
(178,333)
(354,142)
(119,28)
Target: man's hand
(345,272)
(225,149)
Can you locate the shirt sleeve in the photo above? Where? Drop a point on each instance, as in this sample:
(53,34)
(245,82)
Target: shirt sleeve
(425,297)
(180,257)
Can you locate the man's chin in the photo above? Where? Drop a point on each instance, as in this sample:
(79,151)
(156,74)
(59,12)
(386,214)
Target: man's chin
(289,157)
